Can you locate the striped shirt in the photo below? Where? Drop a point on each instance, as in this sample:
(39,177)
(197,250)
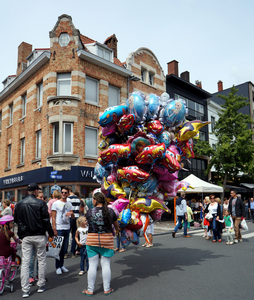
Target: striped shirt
(75,201)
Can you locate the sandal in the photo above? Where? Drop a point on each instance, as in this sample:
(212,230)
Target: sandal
(85,292)
(144,245)
(122,250)
(117,249)
(109,292)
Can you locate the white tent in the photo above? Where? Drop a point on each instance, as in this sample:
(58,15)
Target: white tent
(201,186)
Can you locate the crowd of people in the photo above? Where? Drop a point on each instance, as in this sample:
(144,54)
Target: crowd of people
(90,231)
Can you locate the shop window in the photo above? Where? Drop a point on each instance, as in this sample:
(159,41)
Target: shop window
(91,142)
(92,90)
(24,101)
(64,84)
(22,194)
(9,195)
(9,157)
(39,94)
(22,151)
(113,96)
(38,144)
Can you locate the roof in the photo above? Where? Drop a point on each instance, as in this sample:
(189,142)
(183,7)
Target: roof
(86,40)
(109,38)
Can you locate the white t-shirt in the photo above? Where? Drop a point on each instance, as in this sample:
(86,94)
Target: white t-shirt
(61,208)
(83,235)
(7,211)
(213,208)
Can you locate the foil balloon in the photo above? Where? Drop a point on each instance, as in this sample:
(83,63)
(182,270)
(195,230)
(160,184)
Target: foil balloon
(124,217)
(150,153)
(153,106)
(111,114)
(166,137)
(148,204)
(129,236)
(170,161)
(186,149)
(126,187)
(132,174)
(107,141)
(173,114)
(135,222)
(136,106)
(149,186)
(112,191)
(190,129)
(99,173)
(109,129)
(156,214)
(125,123)
(155,127)
(139,141)
(119,205)
(114,153)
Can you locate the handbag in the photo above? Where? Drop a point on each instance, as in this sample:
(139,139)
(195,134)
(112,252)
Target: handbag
(209,216)
(244,225)
(54,247)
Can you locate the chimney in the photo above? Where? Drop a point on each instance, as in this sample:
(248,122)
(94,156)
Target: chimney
(220,86)
(185,76)
(24,50)
(198,84)
(111,42)
(173,68)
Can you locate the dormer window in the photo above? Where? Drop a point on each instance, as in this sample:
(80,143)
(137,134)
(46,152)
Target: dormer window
(103,53)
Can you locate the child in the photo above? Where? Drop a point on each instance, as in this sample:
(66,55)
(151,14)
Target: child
(118,241)
(229,228)
(80,237)
(190,215)
(5,235)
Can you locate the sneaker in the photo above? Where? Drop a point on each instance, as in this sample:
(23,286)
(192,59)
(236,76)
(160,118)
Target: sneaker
(173,234)
(236,241)
(240,240)
(41,289)
(66,256)
(64,269)
(59,271)
(149,245)
(231,243)
(187,236)
(25,294)
(73,256)
(81,273)
(31,281)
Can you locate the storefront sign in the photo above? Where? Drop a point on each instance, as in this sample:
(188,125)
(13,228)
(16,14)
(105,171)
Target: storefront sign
(13,180)
(87,173)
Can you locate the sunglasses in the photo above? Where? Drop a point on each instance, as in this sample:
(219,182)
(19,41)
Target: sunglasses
(64,192)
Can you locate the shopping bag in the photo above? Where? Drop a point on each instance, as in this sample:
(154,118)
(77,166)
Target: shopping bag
(54,246)
(244,225)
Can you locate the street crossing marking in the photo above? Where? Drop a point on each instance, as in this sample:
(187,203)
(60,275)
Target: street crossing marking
(198,233)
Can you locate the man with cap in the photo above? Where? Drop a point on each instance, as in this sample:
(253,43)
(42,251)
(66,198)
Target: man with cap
(31,215)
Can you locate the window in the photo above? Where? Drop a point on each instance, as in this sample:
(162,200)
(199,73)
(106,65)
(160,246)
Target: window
(151,77)
(64,84)
(103,53)
(202,135)
(23,105)
(67,138)
(91,142)
(92,90)
(0,121)
(56,138)
(143,75)
(212,123)
(39,94)
(113,96)
(195,109)
(11,113)
(38,144)
(22,151)
(9,156)
(64,39)
(214,147)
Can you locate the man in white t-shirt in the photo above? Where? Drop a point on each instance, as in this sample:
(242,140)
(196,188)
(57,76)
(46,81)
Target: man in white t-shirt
(61,214)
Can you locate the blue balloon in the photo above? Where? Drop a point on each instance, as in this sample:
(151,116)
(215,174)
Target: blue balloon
(173,114)
(154,104)
(124,217)
(136,105)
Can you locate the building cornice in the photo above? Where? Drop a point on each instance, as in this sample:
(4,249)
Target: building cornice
(31,69)
(103,63)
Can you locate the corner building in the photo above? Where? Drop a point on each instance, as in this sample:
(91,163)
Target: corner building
(49,109)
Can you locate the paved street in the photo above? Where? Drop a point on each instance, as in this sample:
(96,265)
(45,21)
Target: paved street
(180,268)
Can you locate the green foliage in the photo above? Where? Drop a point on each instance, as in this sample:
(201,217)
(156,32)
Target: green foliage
(235,147)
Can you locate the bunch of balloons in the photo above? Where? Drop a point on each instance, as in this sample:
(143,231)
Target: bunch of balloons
(143,144)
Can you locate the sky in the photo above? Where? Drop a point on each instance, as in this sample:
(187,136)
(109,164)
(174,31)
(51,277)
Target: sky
(210,39)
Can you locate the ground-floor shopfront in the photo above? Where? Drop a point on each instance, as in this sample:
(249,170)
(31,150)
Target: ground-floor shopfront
(14,187)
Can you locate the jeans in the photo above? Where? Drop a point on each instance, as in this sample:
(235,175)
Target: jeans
(73,232)
(252,214)
(118,241)
(185,223)
(65,234)
(32,261)
(39,241)
(216,230)
(83,257)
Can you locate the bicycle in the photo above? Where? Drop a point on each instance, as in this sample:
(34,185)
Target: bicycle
(8,271)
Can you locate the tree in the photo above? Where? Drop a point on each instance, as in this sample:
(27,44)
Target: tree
(234,151)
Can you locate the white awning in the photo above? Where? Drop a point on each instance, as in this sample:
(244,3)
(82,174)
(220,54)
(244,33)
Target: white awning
(248,185)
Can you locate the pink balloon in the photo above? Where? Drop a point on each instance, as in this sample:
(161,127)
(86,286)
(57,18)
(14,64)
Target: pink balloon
(109,129)
(119,205)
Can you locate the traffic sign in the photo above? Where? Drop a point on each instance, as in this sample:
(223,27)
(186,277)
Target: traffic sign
(53,173)
(55,187)
(59,176)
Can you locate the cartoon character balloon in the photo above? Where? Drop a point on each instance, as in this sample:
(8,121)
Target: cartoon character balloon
(173,114)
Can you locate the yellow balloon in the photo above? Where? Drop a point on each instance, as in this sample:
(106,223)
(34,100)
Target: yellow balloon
(149,204)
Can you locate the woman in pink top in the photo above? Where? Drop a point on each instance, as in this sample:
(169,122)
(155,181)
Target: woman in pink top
(55,196)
